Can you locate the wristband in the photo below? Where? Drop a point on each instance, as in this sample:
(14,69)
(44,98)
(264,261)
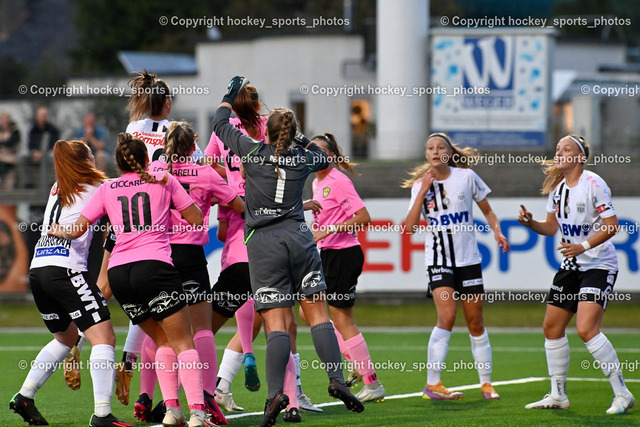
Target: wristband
(586,245)
(332,229)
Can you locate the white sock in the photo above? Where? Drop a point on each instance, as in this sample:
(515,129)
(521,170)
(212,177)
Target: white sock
(481,350)
(437,353)
(101,366)
(81,340)
(603,352)
(135,339)
(558,365)
(296,358)
(43,367)
(229,367)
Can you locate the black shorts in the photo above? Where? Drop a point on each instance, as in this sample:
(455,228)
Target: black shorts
(284,264)
(63,295)
(191,264)
(147,289)
(342,267)
(232,289)
(572,286)
(464,280)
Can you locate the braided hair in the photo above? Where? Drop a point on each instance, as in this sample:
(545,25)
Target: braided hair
(178,143)
(131,155)
(281,128)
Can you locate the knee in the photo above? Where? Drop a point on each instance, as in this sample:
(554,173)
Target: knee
(586,333)
(551,331)
(476,326)
(446,320)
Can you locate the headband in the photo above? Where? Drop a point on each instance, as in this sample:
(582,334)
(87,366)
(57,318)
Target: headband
(444,139)
(577,141)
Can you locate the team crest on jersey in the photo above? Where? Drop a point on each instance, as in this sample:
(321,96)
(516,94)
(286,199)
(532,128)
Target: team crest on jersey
(567,210)
(326,191)
(581,207)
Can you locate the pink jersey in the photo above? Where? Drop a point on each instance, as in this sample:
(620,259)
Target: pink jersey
(218,151)
(202,183)
(140,216)
(340,202)
(234,250)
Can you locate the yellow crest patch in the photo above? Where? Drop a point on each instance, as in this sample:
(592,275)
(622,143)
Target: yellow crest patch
(326,191)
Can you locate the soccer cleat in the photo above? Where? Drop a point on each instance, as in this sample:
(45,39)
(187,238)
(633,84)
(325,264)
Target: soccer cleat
(158,412)
(371,392)
(123,382)
(108,421)
(26,408)
(342,392)
(211,405)
(142,408)
(305,405)
(174,418)
(272,408)
(621,404)
(488,392)
(72,369)
(549,402)
(200,419)
(292,416)
(225,401)
(440,392)
(251,380)
(354,377)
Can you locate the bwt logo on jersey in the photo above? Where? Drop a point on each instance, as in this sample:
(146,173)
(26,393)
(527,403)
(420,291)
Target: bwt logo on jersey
(570,230)
(449,219)
(489,62)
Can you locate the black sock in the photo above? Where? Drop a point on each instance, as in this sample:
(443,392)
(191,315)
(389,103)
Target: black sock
(326,344)
(276,359)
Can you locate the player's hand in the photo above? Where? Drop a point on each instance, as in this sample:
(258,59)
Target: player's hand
(56,230)
(319,235)
(235,86)
(312,205)
(301,139)
(428,179)
(525,217)
(570,250)
(502,242)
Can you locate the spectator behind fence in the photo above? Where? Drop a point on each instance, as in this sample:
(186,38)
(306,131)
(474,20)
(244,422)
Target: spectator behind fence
(9,146)
(95,136)
(42,136)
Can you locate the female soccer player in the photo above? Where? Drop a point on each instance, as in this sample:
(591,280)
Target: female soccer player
(276,173)
(64,292)
(141,273)
(580,206)
(334,230)
(202,183)
(443,190)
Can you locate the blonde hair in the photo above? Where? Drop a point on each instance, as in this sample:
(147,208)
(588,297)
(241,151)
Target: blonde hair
(178,141)
(461,157)
(550,168)
(281,128)
(131,154)
(74,170)
(148,97)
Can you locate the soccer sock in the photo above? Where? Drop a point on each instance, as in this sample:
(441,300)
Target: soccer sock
(276,359)
(190,372)
(437,354)
(296,359)
(357,348)
(43,367)
(289,386)
(148,377)
(206,346)
(558,364)
(341,343)
(229,367)
(326,345)
(244,318)
(481,350)
(134,341)
(81,340)
(603,352)
(101,365)
(167,371)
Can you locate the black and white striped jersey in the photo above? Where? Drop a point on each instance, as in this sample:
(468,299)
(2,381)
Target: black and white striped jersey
(448,210)
(579,211)
(152,133)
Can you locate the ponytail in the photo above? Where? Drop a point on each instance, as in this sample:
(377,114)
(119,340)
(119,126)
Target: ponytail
(74,169)
(338,158)
(281,128)
(148,97)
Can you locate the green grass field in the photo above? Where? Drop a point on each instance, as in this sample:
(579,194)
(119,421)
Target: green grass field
(517,355)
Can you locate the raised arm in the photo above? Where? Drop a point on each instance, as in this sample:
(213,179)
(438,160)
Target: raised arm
(546,228)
